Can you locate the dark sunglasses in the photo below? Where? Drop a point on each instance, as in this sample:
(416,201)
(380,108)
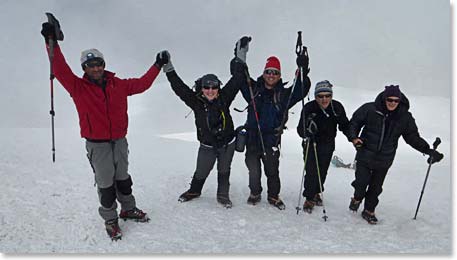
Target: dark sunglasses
(324,96)
(210,87)
(393,100)
(95,63)
(272,72)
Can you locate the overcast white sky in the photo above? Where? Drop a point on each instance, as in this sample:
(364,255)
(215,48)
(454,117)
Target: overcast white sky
(356,44)
(353,43)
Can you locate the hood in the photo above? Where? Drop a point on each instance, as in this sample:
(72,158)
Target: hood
(381,105)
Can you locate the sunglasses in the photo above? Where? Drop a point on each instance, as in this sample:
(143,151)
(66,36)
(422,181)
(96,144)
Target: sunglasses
(393,100)
(210,87)
(272,72)
(324,96)
(95,63)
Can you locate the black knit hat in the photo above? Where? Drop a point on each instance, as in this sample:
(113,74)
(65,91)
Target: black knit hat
(392,91)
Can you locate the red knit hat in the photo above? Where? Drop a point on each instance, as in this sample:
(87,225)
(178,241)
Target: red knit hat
(273,63)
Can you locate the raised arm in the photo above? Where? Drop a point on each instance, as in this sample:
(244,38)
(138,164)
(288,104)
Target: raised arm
(139,85)
(299,90)
(238,69)
(51,32)
(183,91)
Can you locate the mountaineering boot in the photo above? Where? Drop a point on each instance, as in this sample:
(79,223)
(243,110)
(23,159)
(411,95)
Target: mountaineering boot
(113,229)
(224,200)
(317,200)
(277,202)
(354,204)
(369,217)
(194,191)
(254,199)
(308,206)
(188,195)
(134,214)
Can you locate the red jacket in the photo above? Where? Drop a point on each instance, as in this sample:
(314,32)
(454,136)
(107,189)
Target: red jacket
(102,114)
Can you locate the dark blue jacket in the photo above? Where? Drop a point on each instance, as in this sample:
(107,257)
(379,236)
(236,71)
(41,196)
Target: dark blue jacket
(270,105)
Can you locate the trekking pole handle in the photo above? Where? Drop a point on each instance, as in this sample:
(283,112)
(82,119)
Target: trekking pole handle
(436,143)
(298,47)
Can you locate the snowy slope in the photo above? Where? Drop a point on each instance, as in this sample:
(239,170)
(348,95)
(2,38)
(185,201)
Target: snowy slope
(358,45)
(50,207)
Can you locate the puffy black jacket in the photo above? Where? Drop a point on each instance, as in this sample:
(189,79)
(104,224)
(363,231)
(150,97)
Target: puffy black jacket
(212,119)
(382,129)
(326,121)
(270,105)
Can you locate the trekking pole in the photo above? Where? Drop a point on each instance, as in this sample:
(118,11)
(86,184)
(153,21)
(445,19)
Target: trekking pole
(303,176)
(298,51)
(255,113)
(320,182)
(51,78)
(52,112)
(435,145)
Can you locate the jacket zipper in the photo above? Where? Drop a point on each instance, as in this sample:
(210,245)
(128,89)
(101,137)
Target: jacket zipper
(383,129)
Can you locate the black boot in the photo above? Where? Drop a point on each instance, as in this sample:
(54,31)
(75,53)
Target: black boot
(254,199)
(195,190)
(354,204)
(277,202)
(188,195)
(224,200)
(369,217)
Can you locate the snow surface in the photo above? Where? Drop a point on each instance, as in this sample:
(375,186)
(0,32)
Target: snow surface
(52,207)
(358,45)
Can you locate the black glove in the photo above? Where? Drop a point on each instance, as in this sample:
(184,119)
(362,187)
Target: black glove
(311,126)
(278,131)
(435,156)
(162,58)
(244,41)
(311,130)
(49,32)
(303,61)
(237,66)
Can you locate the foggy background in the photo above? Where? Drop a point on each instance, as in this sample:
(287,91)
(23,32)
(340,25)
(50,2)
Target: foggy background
(360,46)
(355,44)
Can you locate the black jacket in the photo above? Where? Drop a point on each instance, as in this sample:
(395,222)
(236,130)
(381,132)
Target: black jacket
(326,121)
(382,129)
(212,119)
(270,105)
